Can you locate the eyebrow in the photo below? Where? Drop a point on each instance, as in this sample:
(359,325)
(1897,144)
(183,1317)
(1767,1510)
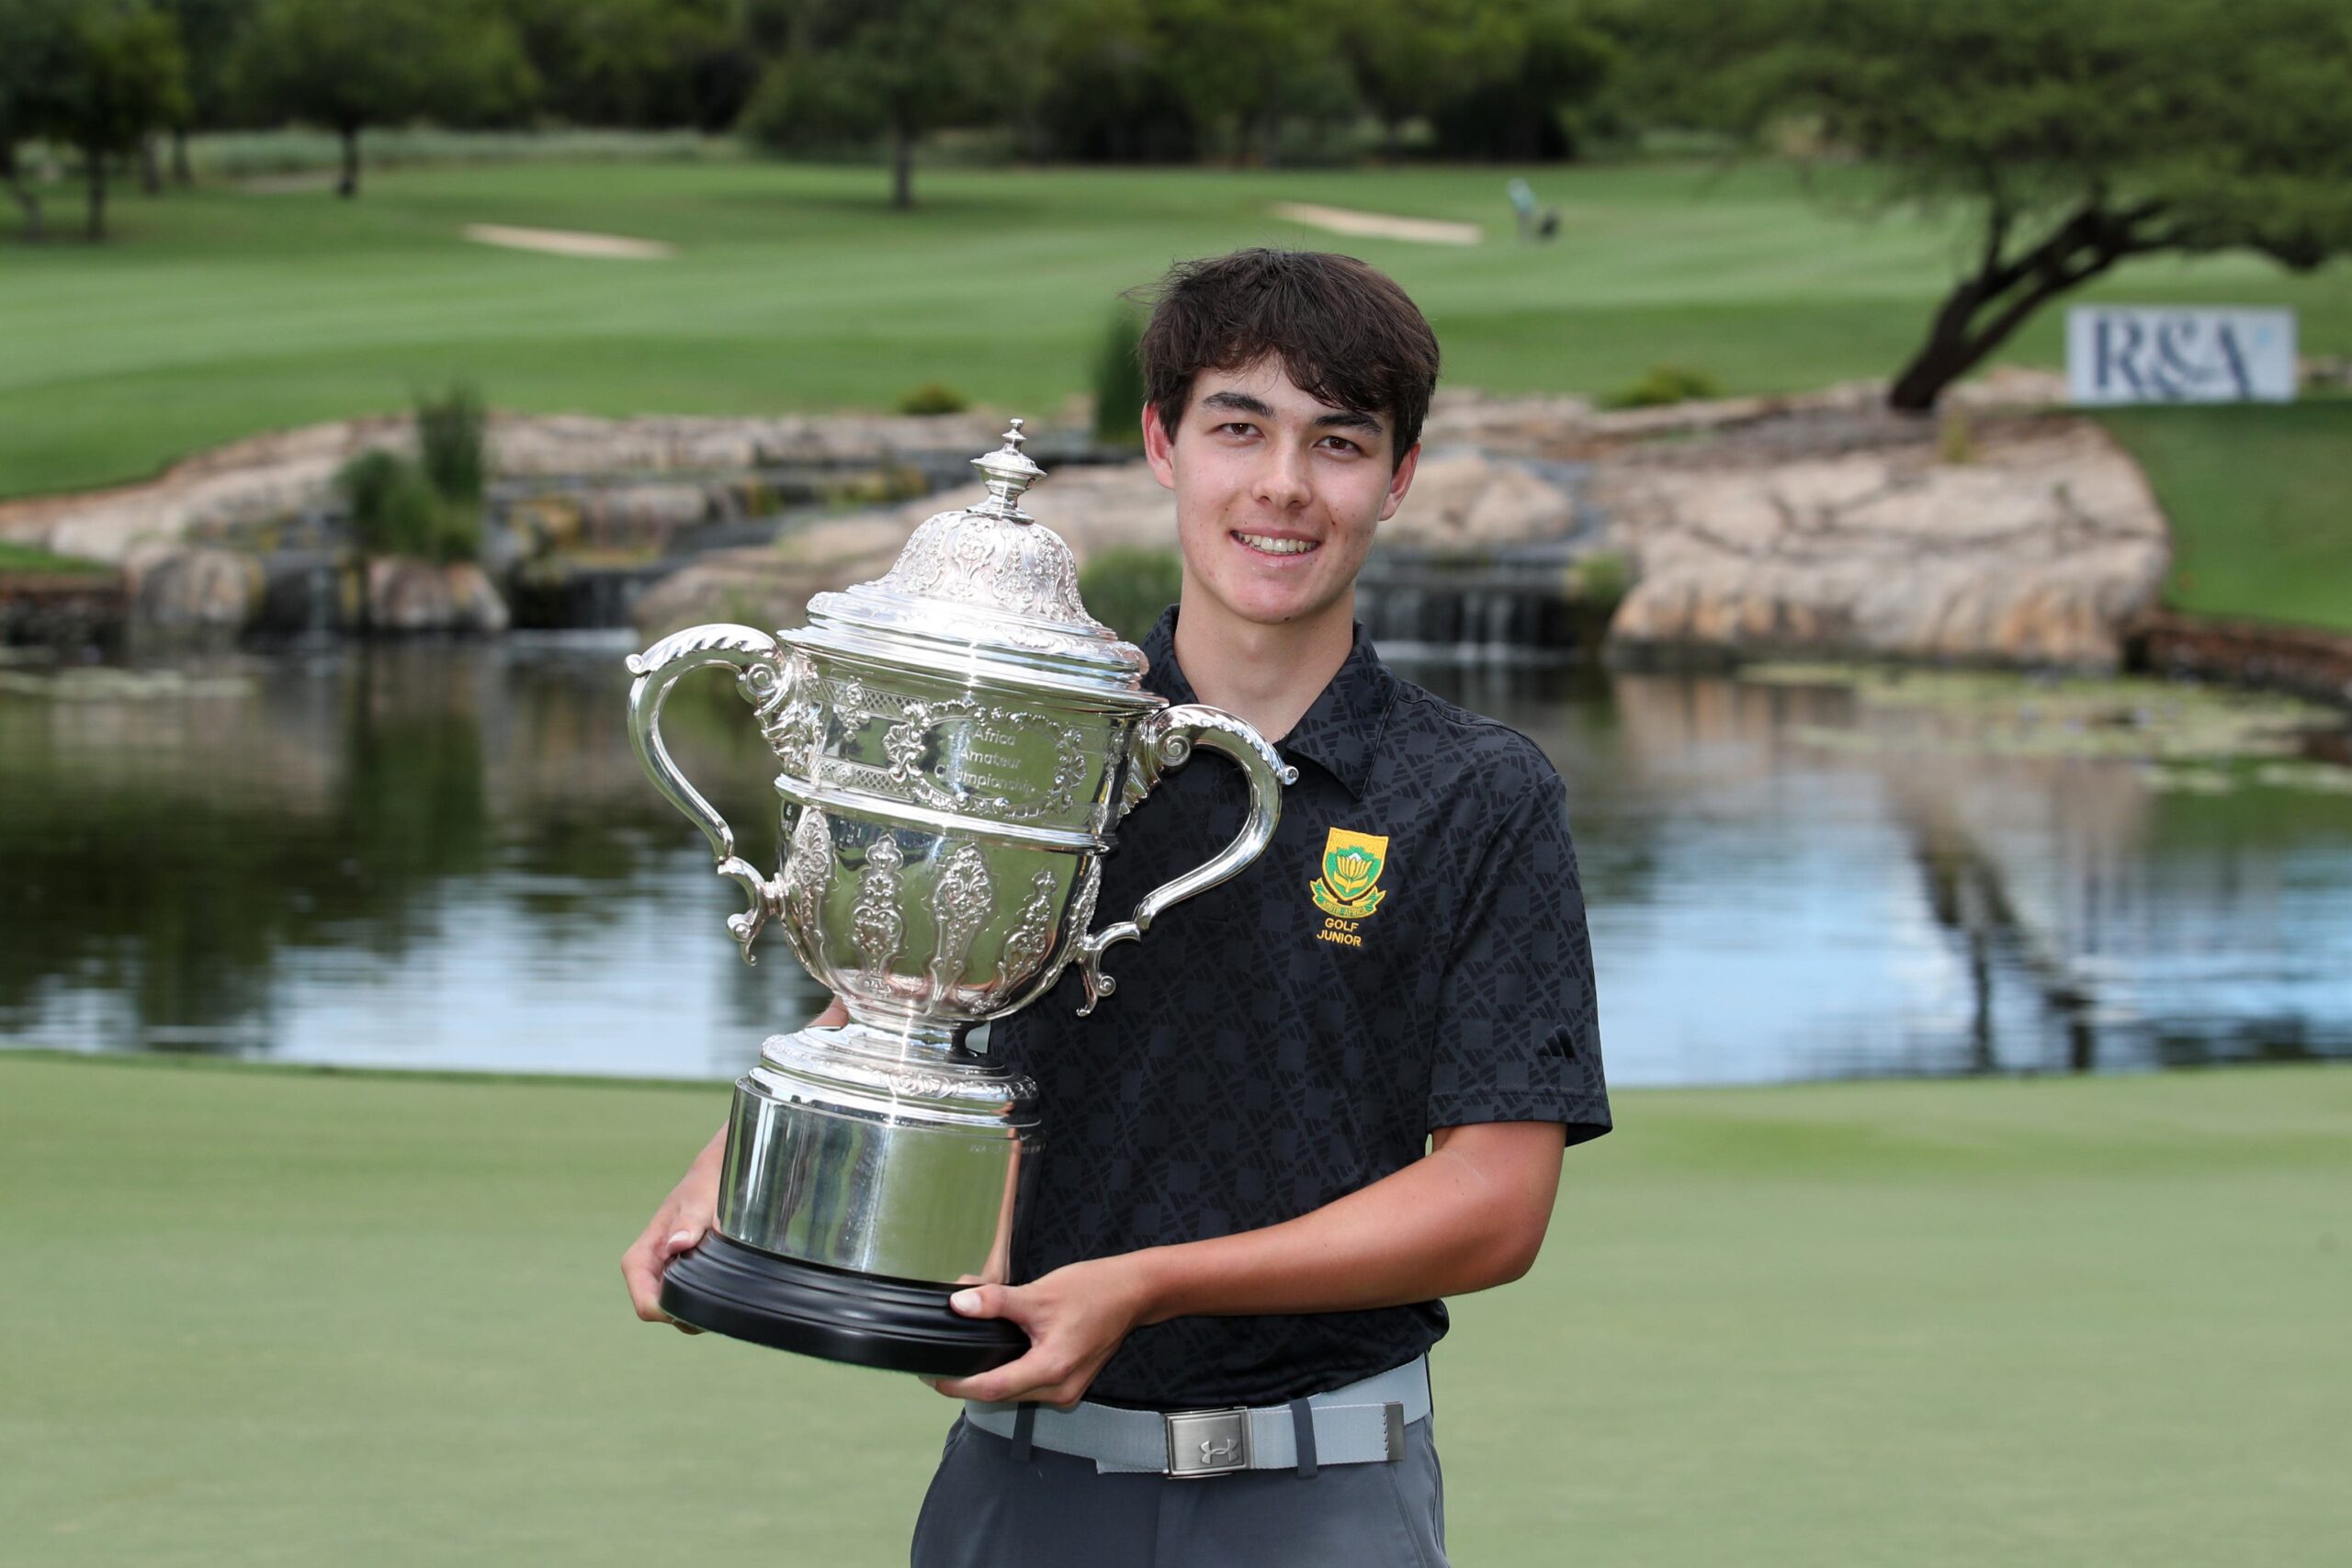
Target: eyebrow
(1343,419)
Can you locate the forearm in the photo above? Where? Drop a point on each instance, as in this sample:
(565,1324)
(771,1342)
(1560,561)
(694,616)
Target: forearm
(1468,1215)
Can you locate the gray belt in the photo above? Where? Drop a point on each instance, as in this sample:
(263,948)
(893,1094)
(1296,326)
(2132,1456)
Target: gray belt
(1361,1424)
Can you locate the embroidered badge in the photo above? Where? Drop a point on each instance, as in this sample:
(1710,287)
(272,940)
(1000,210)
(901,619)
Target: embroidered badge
(1352,863)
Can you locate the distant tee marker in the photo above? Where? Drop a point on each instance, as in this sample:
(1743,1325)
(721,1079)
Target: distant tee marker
(1379,225)
(570,243)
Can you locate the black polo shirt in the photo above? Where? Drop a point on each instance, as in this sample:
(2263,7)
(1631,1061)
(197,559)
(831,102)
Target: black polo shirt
(1408,953)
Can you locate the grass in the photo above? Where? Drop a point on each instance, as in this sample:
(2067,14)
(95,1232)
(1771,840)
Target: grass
(221,313)
(261,1317)
(2260,500)
(16,557)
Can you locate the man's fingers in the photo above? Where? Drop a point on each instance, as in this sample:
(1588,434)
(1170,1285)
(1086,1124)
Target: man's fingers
(1015,1380)
(685,1238)
(983,1300)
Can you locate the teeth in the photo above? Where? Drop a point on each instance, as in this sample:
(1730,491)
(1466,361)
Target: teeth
(1276,547)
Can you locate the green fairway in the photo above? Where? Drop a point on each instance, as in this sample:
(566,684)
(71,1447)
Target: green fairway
(258,1318)
(2260,500)
(223,313)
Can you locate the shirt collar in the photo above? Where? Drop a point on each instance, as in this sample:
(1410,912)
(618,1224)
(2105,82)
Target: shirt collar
(1340,730)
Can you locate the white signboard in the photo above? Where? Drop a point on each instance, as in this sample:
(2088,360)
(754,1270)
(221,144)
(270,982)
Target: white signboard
(2151,355)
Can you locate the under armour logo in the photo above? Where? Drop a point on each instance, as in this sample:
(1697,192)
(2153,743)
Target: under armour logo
(1220,1450)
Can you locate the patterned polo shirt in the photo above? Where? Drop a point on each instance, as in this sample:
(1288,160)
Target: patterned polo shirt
(1409,953)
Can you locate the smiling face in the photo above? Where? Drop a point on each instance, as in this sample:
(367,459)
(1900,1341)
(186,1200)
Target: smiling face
(1277,495)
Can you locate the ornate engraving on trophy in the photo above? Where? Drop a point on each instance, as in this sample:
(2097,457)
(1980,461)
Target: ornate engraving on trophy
(876,924)
(959,903)
(1031,938)
(808,873)
(953,754)
(793,727)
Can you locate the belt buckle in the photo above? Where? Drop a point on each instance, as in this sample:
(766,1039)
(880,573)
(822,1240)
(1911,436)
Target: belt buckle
(1208,1442)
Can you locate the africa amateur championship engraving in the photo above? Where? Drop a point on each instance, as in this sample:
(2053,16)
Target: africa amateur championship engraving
(955,743)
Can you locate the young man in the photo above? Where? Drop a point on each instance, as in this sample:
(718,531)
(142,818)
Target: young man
(1327,1093)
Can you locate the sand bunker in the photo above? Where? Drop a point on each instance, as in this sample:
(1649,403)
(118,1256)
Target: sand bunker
(1379,225)
(570,243)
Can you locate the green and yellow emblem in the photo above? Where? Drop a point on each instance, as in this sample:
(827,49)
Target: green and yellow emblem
(1352,866)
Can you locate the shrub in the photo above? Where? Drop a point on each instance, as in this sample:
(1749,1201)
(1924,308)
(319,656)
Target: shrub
(1599,579)
(449,443)
(393,509)
(1126,588)
(1665,384)
(934,397)
(1118,381)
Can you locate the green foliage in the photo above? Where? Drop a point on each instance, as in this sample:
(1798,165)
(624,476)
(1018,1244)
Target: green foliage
(1664,384)
(1118,381)
(637,63)
(934,398)
(393,509)
(854,70)
(2075,133)
(449,444)
(1600,579)
(1126,588)
(429,508)
(350,66)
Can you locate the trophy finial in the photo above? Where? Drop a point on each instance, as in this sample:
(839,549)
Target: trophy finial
(1008,472)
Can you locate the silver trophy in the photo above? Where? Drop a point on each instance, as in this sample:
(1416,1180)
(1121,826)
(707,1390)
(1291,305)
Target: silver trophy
(955,742)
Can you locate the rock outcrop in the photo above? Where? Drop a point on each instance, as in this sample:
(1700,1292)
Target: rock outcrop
(2037,549)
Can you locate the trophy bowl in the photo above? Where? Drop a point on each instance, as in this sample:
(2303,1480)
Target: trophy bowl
(956,742)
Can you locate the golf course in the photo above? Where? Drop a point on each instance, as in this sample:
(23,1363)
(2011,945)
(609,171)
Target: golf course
(228,310)
(263,1316)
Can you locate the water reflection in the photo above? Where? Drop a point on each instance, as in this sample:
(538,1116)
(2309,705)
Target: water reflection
(445,856)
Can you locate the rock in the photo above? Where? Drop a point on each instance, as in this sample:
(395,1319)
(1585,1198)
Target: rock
(2038,552)
(407,595)
(192,589)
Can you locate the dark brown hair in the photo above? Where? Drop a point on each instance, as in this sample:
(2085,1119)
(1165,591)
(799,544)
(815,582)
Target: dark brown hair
(1347,336)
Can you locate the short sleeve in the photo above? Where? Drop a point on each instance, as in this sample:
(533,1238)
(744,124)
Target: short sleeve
(1518,1036)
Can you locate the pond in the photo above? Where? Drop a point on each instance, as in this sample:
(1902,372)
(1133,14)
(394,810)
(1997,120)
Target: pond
(445,857)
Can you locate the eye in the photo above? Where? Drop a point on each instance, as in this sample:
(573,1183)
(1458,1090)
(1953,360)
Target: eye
(1237,427)
(1342,444)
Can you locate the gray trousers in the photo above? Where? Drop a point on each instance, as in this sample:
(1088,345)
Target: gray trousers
(984,1511)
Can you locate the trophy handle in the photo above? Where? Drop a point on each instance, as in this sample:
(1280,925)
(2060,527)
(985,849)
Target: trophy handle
(1166,741)
(761,675)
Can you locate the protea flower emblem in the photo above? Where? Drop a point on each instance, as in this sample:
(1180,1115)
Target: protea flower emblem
(1352,866)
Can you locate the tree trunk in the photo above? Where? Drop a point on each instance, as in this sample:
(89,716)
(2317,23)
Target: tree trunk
(903,166)
(26,195)
(2093,240)
(150,167)
(181,173)
(93,163)
(348,186)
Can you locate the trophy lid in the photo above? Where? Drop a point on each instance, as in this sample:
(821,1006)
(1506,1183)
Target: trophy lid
(987,590)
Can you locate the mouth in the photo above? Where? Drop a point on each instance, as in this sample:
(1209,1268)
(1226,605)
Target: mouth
(1273,544)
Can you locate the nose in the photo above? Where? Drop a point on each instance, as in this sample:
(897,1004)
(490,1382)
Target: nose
(1283,479)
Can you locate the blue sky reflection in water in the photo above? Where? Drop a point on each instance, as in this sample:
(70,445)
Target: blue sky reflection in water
(446,857)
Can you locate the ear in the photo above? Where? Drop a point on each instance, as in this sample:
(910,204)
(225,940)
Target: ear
(1158,448)
(1399,482)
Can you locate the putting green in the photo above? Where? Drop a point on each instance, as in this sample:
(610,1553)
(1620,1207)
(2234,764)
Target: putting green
(221,313)
(258,1318)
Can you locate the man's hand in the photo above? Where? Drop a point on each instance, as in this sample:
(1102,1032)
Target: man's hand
(1075,1317)
(677,1226)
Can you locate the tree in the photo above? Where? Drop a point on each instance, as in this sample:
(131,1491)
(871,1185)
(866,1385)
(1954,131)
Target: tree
(850,70)
(36,44)
(1529,63)
(122,77)
(1249,66)
(209,32)
(640,62)
(349,65)
(2076,133)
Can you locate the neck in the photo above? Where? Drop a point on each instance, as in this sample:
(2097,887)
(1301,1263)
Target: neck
(1268,675)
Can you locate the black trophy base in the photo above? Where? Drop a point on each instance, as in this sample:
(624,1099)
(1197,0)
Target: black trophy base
(731,1288)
